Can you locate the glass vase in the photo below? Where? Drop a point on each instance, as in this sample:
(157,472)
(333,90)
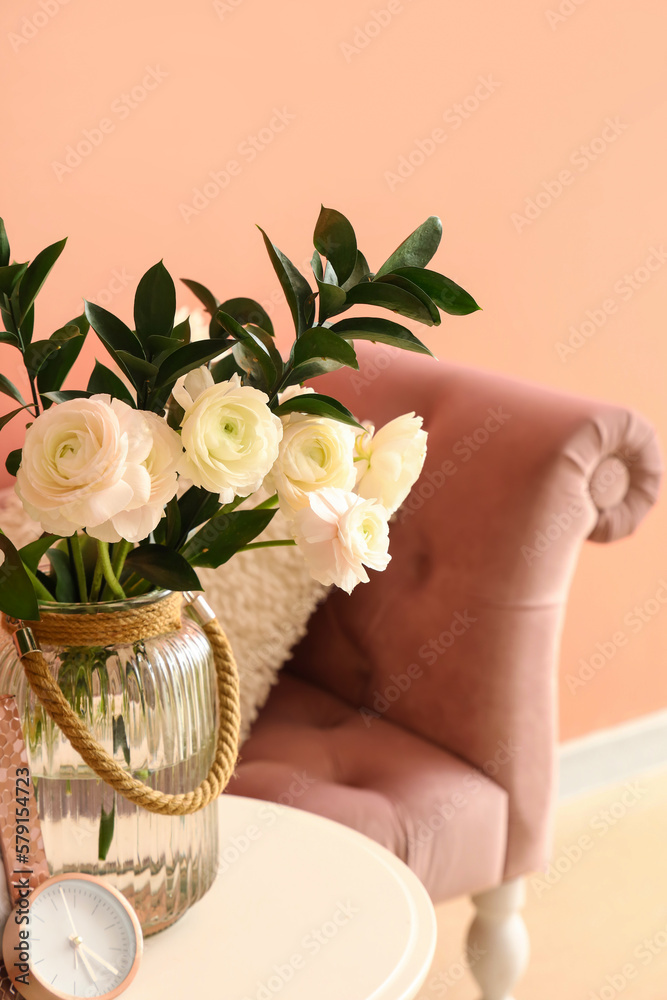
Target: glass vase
(151,705)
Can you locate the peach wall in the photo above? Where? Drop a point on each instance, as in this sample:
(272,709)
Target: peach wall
(517,92)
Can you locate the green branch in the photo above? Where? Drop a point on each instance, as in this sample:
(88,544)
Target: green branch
(77,557)
(266,545)
(107,570)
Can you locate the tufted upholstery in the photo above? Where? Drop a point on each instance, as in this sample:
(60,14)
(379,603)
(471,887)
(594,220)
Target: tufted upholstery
(455,645)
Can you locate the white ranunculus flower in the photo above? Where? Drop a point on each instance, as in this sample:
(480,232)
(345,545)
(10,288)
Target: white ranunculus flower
(390,461)
(315,452)
(83,463)
(230,435)
(338,534)
(136,522)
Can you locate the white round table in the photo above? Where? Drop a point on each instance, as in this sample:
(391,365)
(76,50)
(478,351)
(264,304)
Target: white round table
(302,908)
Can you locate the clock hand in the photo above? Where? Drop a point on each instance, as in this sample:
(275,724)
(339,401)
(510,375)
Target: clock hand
(67,910)
(98,958)
(86,963)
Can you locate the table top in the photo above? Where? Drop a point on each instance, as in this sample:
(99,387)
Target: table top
(302,907)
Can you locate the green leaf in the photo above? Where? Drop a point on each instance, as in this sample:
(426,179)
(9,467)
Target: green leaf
(250,353)
(57,366)
(140,371)
(381,331)
(4,420)
(416,291)
(223,369)
(361,272)
(206,297)
(311,369)
(299,294)
(104,380)
(37,353)
(120,738)
(319,343)
(254,369)
(28,324)
(105,837)
(269,343)
(160,347)
(316,265)
(8,335)
(13,461)
(446,294)
(334,238)
(185,359)
(10,389)
(66,590)
(155,303)
(64,395)
(417,249)
(36,275)
(17,594)
(4,245)
(247,311)
(10,275)
(196,506)
(387,296)
(332,299)
(225,534)
(113,333)
(171,525)
(163,567)
(323,406)
(182,331)
(32,553)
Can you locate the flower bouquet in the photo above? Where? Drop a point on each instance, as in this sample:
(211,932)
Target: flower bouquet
(175,456)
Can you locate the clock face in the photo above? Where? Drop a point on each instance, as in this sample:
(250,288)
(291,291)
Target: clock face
(84,940)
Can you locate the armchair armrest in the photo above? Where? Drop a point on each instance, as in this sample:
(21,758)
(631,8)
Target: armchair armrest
(458,639)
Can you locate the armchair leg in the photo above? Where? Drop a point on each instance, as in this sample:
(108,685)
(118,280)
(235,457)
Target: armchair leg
(498,945)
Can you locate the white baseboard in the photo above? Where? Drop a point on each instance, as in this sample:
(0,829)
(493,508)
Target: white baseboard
(613,755)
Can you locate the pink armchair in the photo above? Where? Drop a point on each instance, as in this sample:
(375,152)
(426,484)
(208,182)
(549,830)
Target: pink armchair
(421,709)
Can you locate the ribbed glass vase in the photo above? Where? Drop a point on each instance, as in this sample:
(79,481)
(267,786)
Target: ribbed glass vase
(151,704)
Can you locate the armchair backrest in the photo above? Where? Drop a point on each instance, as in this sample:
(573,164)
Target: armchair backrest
(458,639)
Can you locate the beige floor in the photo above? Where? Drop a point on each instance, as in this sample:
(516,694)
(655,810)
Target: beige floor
(600,931)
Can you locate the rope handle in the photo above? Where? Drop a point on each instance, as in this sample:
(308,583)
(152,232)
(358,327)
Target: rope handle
(56,706)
